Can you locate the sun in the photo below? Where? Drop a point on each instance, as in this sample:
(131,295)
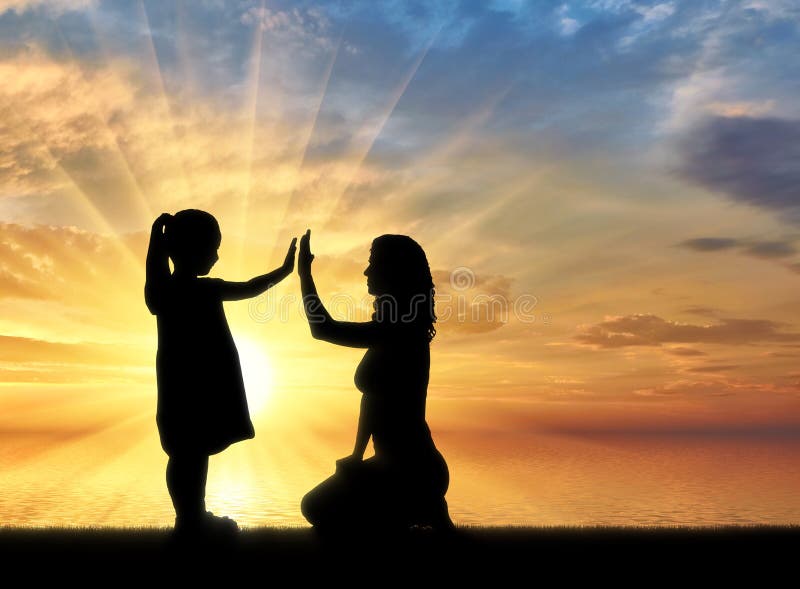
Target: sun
(257,373)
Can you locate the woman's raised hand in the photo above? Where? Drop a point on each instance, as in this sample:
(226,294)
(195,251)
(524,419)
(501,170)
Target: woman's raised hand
(288,263)
(305,257)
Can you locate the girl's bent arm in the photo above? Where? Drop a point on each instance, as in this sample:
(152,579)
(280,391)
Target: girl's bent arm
(236,291)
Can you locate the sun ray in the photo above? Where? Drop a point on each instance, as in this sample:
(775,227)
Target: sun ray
(449,148)
(251,108)
(74,462)
(364,140)
(132,423)
(371,133)
(88,292)
(273,473)
(79,197)
(142,202)
(308,134)
(258,373)
(500,200)
(183,38)
(465,135)
(167,108)
(462,137)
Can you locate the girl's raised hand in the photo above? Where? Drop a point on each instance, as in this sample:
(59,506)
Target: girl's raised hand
(288,263)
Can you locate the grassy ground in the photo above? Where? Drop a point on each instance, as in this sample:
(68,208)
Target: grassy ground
(569,554)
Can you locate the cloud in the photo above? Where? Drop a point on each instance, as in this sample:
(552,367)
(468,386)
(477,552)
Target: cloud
(30,350)
(66,280)
(770,249)
(83,141)
(569,26)
(471,303)
(775,9)
(780,355)
(765,250)
(650,18)
(52,6)
(719,387)
(651,330)
(26,360)
(688,388)
(755,161)
(306,30)
(102,141)
(655,12)
(26,269)
(58,138)
(700,310)
(680,351)
(13,285)
(713,368)
(741,108)
(710,244)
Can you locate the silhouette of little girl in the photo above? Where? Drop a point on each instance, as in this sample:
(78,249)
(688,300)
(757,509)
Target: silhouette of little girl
(202,408)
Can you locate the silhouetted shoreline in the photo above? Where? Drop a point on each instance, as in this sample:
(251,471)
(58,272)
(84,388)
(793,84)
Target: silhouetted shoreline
(568,551)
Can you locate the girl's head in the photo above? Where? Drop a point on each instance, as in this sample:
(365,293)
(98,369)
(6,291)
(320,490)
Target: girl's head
(399,276)
(192,238)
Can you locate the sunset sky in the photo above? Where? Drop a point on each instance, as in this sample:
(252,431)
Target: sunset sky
(619,179)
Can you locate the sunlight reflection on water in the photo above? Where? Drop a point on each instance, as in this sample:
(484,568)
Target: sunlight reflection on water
(498,480)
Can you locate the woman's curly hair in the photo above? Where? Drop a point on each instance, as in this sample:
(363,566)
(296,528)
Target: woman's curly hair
(402,267)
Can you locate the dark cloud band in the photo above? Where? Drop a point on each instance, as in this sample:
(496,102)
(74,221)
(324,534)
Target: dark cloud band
(751,160)
(651,330)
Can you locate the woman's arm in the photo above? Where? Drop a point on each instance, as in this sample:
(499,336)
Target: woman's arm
(236,291)
(157,265)
(323,326)
(362,439)
(364,430)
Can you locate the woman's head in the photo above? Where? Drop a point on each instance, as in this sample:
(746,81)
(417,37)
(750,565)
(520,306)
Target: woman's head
(192,239)
(400,278)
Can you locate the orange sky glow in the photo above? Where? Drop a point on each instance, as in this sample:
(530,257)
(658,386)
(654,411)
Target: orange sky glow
(618,340)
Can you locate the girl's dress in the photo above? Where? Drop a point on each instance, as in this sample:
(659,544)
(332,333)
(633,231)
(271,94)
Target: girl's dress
(202,407)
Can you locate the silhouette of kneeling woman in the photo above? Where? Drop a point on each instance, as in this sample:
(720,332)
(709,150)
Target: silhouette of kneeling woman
(404,484)
(202,408)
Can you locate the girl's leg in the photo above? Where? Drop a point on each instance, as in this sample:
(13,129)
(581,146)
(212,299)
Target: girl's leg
(186,482)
